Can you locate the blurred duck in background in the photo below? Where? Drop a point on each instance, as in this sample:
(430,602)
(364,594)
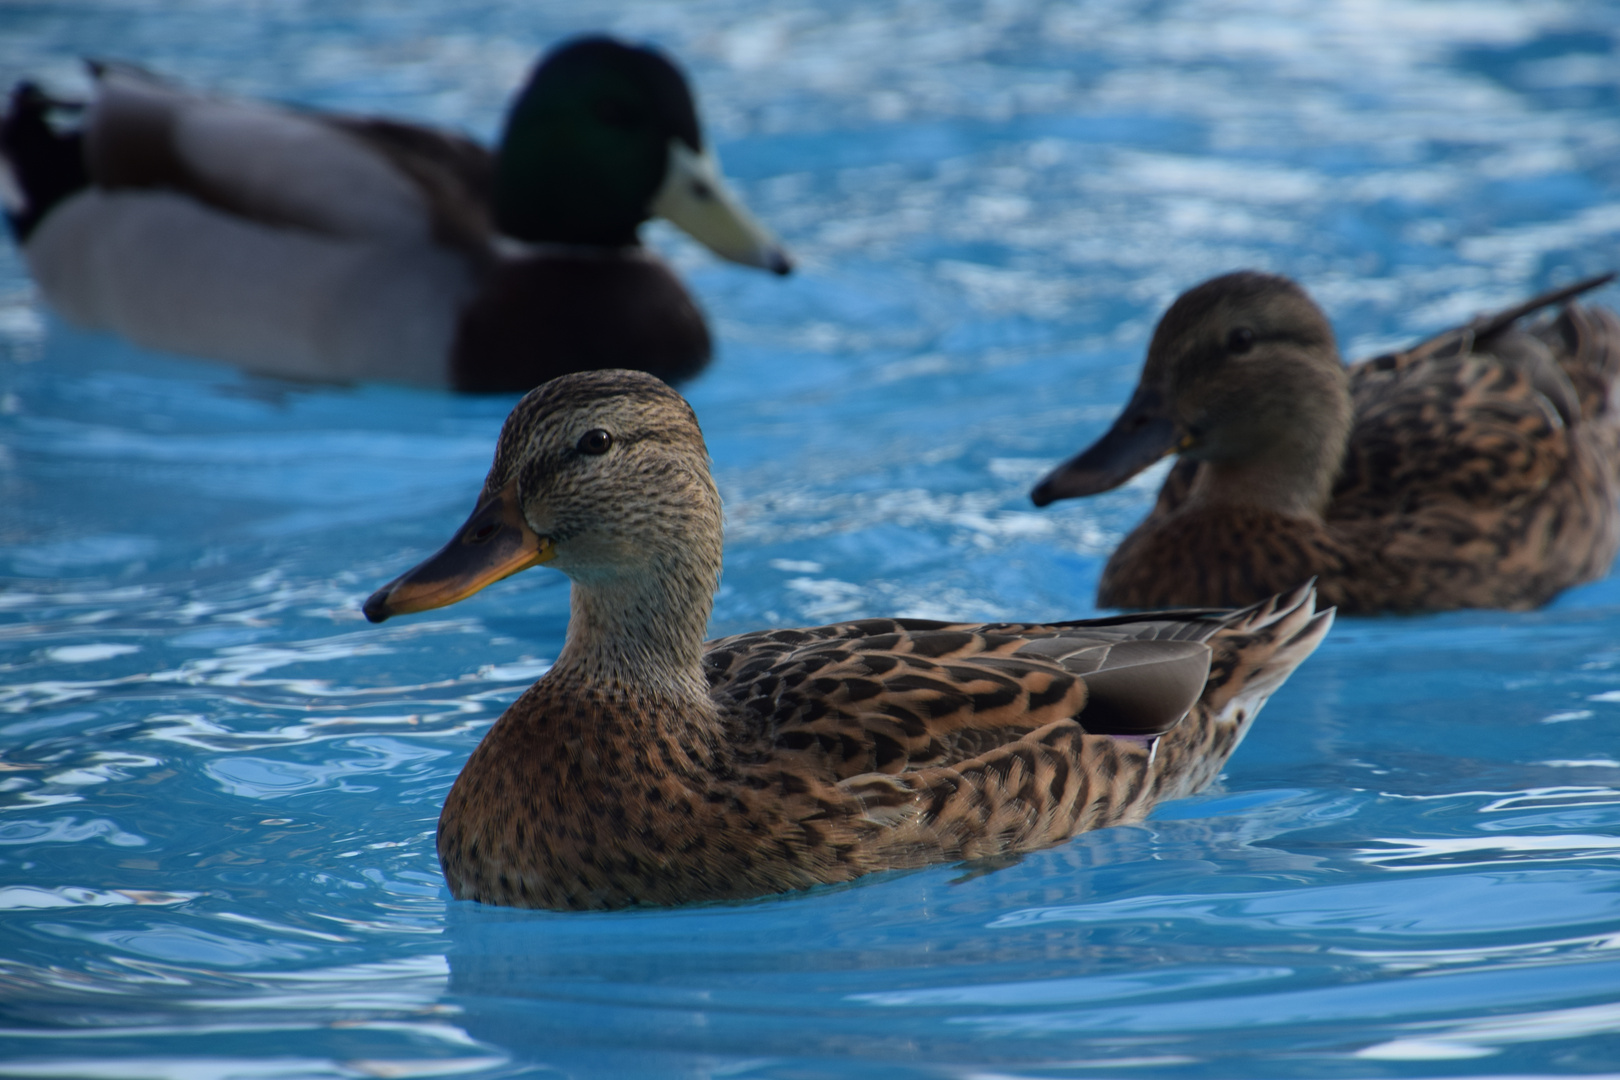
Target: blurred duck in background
(1476,469)
(331,247)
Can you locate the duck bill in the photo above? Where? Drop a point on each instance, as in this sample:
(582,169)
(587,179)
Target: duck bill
(1141,435)
(695,199)
(495,542)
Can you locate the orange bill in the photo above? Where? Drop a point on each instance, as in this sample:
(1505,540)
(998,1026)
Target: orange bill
(495,542)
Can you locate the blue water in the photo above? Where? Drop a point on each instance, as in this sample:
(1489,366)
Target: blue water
(218,784)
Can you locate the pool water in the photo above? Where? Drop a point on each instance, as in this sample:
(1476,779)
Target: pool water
(219,785)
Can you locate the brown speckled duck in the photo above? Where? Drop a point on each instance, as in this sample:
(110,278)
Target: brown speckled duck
(650,767)
(1477,469)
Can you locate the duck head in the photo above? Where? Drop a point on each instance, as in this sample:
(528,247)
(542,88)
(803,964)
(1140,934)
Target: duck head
(1243,374)
(604,136)
(604,476)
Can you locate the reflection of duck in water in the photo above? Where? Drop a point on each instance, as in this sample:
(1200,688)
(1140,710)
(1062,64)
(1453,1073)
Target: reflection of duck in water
(337,247)
(650,767)
(1477,469)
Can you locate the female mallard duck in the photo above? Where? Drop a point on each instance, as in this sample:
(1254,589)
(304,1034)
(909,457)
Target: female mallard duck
(648,767)
(337,247)
(1477,469)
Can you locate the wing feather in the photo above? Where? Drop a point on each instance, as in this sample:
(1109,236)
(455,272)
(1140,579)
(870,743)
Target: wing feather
(336,177)
(896,696)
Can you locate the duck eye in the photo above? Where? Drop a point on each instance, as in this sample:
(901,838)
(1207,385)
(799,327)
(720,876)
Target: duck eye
(702,191)
(594,441)
(1240,340)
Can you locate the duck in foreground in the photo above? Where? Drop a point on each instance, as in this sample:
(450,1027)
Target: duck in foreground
(650,767)
(325,247)
(1480,468)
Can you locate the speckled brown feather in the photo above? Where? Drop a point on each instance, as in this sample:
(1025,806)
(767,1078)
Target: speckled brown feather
(585,796)
(1481,470)
(646,768)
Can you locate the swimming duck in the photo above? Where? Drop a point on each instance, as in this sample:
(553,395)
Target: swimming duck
(1476,469)
(650,767)
(332,247)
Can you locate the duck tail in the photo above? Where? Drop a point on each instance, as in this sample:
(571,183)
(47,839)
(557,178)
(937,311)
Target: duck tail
(1251,656)
(1487,325)
(39,164)
(1586,342)
(1259,647)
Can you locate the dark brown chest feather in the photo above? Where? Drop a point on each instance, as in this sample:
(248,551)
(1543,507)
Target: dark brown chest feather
(577,799)
(543,317)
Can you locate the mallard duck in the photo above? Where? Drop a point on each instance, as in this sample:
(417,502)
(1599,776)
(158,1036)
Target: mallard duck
(332,247)
(1476,469)
(650,767)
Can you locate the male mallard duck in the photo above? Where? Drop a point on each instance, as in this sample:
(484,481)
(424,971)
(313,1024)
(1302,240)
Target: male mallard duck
(1477,469)
(649,767)
(338,247)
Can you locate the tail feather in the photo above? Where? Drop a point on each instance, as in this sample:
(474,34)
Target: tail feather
(1261,647)
(43,165)
(1486,325)
(1586,343)
(1253,655)
(1486,331)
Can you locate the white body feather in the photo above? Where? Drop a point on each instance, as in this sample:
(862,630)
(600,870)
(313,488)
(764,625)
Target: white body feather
(171,274)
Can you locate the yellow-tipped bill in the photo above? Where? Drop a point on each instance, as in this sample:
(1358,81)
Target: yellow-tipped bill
(495,542)
(694,197)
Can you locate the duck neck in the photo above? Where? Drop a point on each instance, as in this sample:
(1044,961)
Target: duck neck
(1292,477)
(1287,456)
(641,636)
(552,188)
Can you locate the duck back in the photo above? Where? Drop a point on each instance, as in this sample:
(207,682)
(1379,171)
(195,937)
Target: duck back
(275,166)
(1486,465)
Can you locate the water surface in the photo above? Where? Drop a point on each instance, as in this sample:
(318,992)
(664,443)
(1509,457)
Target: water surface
(218,784)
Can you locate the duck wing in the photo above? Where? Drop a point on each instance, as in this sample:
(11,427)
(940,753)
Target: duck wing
(894,695)
(1586,343)
(1060,779)
(456,174)
(340,177)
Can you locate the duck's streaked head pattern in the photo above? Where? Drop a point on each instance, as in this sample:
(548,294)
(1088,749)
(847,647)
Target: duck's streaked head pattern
(1242,372)
(602,475)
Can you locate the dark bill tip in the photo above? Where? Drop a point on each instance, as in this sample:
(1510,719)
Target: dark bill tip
(780,265)
(1142,434)
(376,605)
